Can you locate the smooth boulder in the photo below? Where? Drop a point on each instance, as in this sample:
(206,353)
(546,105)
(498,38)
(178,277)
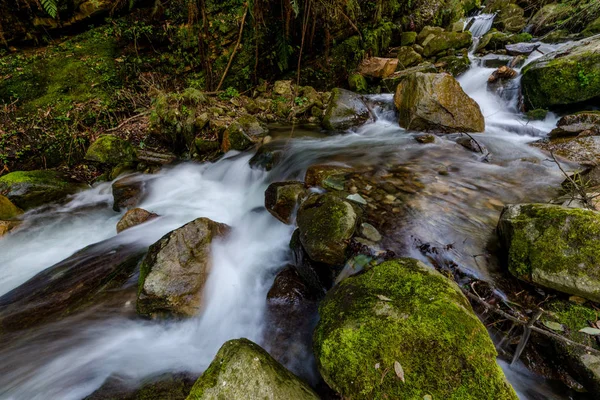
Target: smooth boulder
(282,199)
(30,189)
(243,370)
(436,103)
(378,67)
(133,218)
(175,270)
(553,246)
(112,150)
(326,224)
(401,330)
(345,110)
(566,76)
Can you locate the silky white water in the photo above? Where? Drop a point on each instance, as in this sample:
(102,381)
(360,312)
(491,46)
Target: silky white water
(71,358)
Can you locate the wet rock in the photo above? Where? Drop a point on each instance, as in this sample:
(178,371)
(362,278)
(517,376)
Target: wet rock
(162,157)
(425,139)
(7,209)
(502,73)
(128,192)
(566,76)
(242,134)
(408,38)
(470,144)
(70,285)
(204,146)
(133,218)
(369,232)
(407,57)
(392,81)
(318,277)
(401,330)
(282,199)
(267,156)
(435,40)
(30,189)
(580,149)
(436,103)
(358,83)
(289,288)
(521,49)
(582,123)
(553,246)
(495,60)
(345,110)
(112,150)
(454,65)
(378,67)
(509,16)
(326,176)
(283,88)
(326,224)
(7,226)
(243,370)
(173,273)
(164,386)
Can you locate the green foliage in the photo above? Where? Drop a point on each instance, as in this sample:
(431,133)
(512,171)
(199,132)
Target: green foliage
(50,6)
(229,93)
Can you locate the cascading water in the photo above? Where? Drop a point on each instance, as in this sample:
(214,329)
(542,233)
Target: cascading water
(71,358)
(479,25)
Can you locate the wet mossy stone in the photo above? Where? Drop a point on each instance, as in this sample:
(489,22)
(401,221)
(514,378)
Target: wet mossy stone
(112,150)
(7,209)
(358,83)
(166,386)
(509,16)
(408,57)
(435,40)
(282,199)
(346,110)
(30,189)
(173,273)
(403,312)
(326,224)
(454,65)
(408,38)
(243,133)
(568,75)
(553,246)
(243,370)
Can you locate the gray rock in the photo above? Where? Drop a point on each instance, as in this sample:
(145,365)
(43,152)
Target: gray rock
(345,110)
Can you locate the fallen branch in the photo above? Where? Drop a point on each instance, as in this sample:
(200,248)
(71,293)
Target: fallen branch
(127,120)
(237,44)
(581,191)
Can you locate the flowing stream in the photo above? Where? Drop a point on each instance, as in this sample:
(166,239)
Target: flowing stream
(71,358)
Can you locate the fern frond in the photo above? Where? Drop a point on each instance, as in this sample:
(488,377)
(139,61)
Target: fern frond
(51,7)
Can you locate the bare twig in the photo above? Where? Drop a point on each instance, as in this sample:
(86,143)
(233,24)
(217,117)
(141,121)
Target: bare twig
(237,44)
(581,191)
(127,120)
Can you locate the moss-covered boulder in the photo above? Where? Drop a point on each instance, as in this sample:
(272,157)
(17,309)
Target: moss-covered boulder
(243,370)
(133,218)
(243,133)
(454,65)
(168,386)
(392,81)
(30,189)
(403,331)
(436,103)
(282,199)
(509,16)
(435,40)
(566,76)
(327,176)
(173,273)
(358,83)
(112,150)
(408,38)
(345,110)
(549,17)
(408,57)
(593,28)
(7,209)
(326,224)
(553,246)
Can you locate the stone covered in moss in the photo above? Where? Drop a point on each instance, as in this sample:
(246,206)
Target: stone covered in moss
(345,110)
(454,65)
(166,386)
(509,16)
(568,75)
(173,273)
(593,28)
(110,149)
(243,133)
(553,246)
(408,57)
(403,312)
(436,103)
(358,83)
(326,225)
(408,38)
(7,209)
(30,189)
(435,40)
(282,199)
(243,370)
(392,81)
(326,176)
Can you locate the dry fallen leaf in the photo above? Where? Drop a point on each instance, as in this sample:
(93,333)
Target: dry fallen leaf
(399,370)
(383,298)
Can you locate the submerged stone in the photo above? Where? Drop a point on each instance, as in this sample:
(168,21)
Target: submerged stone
(553,246)
(400,330)
(243,370)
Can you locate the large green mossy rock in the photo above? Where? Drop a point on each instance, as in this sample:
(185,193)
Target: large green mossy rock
(403,318)
(568,75)
(30,189)
(553,246)
(345,110)
(509,16)
(243,370)
(243,133)
(112,150)
(326,223)
(7,209)
(436,103)
(435,40)
(175,270)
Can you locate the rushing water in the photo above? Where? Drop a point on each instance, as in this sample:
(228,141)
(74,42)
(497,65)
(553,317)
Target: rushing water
(71,358)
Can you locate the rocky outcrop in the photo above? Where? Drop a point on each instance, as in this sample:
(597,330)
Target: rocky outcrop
(173,273)
(243,370)
(509,16)
(112,150)
(345,110)
(30,189)
(133,218)
(584,123)
(326,223)
(392,81)
(407,57)
(436,103)
(401,330)
(566,76)
(282,199)
(378,67)
(553,246)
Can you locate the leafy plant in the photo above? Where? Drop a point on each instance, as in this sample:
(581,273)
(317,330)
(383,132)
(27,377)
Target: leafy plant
(229,93)
(50,6)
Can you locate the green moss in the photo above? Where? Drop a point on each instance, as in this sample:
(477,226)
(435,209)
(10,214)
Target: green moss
(7,209)
(358,83)
(109,149)
(403,311)
(29,189)
(537,114)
